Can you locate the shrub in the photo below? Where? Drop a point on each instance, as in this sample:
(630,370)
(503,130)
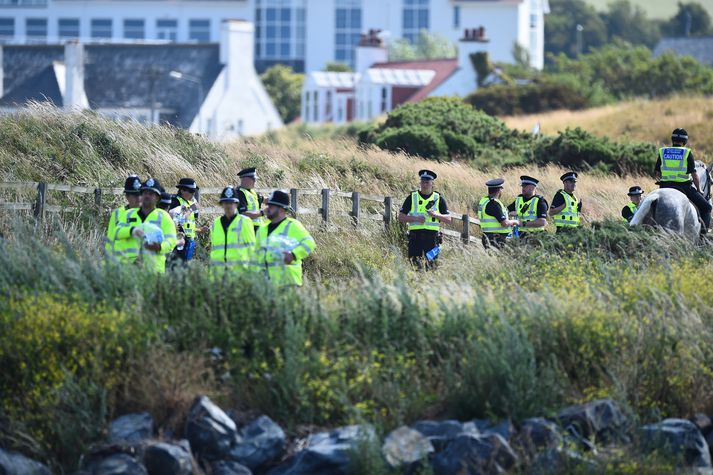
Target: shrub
(414,140)
(460,145)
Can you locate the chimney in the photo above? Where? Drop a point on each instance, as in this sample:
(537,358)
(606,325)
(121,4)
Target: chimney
(2,74)
(236,49)
(473,41)
(74,96)
(371,50)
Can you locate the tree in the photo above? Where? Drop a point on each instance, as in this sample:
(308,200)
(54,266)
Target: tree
(692,19)
(428,46)
(628,22)
(337,67)
(561,27)
(285,89)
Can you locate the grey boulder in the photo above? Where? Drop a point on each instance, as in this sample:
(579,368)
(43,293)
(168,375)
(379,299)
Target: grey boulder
(440,433)
(263,441)
(680,438)
(538,433)
(117,464)
(601,420)
(211,433)
(475,454)
(405,446)
(131,428)
(13,463)
(167,459)
(229,467)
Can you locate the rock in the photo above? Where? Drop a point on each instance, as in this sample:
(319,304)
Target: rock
(168,459)
(601,419)
(131,428)
(439,433)
(229,467)
(117,464)
(681,438)
(704,424)
(13,463)
(559,460)
(263,441)
(538,433)
(504,429)
(211,433)
(406,446)
(328,453)
(471,454)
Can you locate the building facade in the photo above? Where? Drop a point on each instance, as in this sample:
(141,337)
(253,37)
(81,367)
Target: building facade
(306,34)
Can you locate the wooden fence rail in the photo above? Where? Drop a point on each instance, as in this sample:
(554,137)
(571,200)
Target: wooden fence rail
(357,215)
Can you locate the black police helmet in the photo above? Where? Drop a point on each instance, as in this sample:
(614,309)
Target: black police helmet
(679,136)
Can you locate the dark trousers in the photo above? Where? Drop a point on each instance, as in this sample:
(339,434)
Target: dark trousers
(698,200)
(419,243)
(496,240)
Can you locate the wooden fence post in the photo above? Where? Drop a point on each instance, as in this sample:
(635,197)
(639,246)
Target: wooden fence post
(466,229)
(387,211)
(356,201)
(40,202)
(98,199)
(325,206)
(293,200)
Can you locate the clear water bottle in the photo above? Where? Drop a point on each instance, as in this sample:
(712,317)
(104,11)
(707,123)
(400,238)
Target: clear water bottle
(433,253)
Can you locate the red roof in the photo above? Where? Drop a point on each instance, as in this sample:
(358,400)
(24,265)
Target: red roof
(444,68)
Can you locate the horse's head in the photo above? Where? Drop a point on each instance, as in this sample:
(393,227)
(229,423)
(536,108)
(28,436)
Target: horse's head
(704,175)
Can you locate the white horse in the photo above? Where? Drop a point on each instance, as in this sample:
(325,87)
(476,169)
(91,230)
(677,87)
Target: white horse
(672,210)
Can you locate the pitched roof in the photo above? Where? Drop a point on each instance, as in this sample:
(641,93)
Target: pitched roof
(400,77)
(700,48)
(442,68)
(334,79)
(118,76)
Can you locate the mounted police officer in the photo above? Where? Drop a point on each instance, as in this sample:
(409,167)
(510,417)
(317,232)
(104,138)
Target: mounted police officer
(566,208)
(676,168)
(530,209)
(250,201)
(493,215)
(635,194)
(184,210)
(115,247)
(423,211)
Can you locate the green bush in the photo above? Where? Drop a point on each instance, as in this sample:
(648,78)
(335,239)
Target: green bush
(460,145)
(414,140)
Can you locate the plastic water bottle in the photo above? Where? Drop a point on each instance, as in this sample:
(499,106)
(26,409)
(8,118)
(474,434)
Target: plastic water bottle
(433,253)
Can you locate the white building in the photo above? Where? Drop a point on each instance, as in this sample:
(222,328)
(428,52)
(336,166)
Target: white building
(305,34)
(379,86)
(210,88)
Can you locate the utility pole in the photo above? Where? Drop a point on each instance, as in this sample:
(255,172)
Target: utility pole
(153,74)
(580,28)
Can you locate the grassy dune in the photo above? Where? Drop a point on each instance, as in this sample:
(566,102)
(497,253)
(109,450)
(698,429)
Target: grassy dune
(643,120)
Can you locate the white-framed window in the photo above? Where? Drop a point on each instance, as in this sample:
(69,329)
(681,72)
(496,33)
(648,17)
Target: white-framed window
(167,29)
(199,30)
(280,29)
(315,106)
(7,29)
(36,30)
(102,28)
(384,101)
(348,16)
(415,19)
(134,29)
(68,28)
(456,16)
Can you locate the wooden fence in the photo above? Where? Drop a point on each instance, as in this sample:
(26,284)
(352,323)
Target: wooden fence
(40,206)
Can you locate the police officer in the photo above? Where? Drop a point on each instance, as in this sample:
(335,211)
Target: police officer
(165,201)
(152,254)
(282,243)
(566,208)
(493,215)
(184,210)
(676,168)
(423,211)
(250,200)
(113,247)
(232,235)
(635,195)
(530,209)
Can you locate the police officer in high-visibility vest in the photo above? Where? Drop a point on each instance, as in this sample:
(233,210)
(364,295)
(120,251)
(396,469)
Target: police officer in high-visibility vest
(566,208)
(530,209)
(184,210)
(151,253)
(676,168)
(250,200)
(165,202)
(232,236)
(282,243)
(422,211)
(113,247)
(493,215)
(635,194)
